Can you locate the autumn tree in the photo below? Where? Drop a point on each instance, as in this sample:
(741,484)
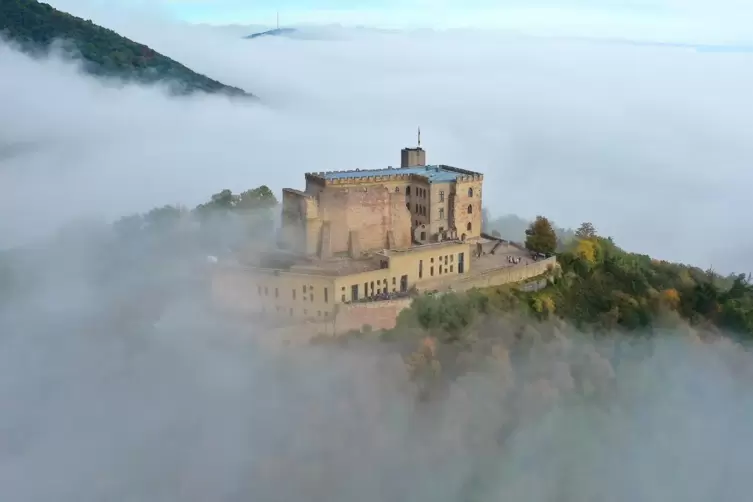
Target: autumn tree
(586,250)
(540,236)
(585,231)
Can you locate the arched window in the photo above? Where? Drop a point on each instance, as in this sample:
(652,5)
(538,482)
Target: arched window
(470,209)
(470,192)
(469,226)
(407,190)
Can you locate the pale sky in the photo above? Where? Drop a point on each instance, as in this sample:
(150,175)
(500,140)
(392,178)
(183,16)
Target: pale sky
(688,21)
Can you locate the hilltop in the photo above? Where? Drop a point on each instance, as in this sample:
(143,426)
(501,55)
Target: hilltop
(35,26)
(272,33)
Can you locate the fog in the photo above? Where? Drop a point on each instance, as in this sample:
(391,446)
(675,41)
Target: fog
(104,402)
(648,143)
(118,381)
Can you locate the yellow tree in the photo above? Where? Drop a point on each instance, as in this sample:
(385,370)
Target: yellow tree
(671,298)
(586,250)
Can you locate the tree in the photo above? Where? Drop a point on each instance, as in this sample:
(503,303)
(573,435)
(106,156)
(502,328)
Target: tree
(257,198)
(585,231)
(540,236)
(586,250)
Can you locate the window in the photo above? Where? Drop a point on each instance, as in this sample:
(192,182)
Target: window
(470,209)
(470,192)
(423,236)
(416,207)
(451,267)
(407,206)
(407,190)
(441,213)
(452,258)
(304,290)
(420,269)
(394,281)
(431,271)
(379,282)
(342,299)
(326,296)
(311,296)
(469,226)
(445,259)
(440,270)
(397,189)
(353,292)
(441,196)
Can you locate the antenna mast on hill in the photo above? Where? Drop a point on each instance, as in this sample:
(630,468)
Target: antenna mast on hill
(419,137)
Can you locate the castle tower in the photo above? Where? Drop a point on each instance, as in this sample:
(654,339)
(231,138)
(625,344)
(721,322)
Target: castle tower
(411,157)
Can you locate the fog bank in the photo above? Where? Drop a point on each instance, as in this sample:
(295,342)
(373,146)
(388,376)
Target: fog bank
(649,143)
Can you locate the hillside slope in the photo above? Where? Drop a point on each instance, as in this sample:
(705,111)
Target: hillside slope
(34,26)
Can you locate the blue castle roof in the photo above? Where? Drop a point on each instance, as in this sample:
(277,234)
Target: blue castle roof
(435,174)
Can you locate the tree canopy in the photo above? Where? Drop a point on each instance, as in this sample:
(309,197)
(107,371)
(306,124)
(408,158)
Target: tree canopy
(34,26)
(540,237)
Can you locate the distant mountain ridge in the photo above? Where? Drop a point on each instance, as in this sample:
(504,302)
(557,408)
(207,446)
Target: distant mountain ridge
(35,26)
(272,33)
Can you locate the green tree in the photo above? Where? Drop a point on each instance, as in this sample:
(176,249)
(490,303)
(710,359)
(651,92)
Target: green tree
(257,198)
(540,236)
(585,231)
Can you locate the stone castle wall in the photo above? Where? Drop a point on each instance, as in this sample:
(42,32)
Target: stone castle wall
(491,278)
(237,296)
(370,213)
(379,315)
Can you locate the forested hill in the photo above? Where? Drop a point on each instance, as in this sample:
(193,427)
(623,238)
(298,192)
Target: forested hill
(35,26)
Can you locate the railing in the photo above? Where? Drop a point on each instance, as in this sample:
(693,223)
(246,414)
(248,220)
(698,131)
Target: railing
(394,295)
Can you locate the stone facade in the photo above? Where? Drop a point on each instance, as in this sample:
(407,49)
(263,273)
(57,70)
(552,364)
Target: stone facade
(315,290)
(359,211)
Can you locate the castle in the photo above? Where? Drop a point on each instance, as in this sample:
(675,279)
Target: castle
(359,236)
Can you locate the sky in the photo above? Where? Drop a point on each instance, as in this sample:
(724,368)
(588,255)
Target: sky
(687,21)
(650,143)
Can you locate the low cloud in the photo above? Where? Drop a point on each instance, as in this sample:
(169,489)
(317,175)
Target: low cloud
(192,408)
(649,143)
